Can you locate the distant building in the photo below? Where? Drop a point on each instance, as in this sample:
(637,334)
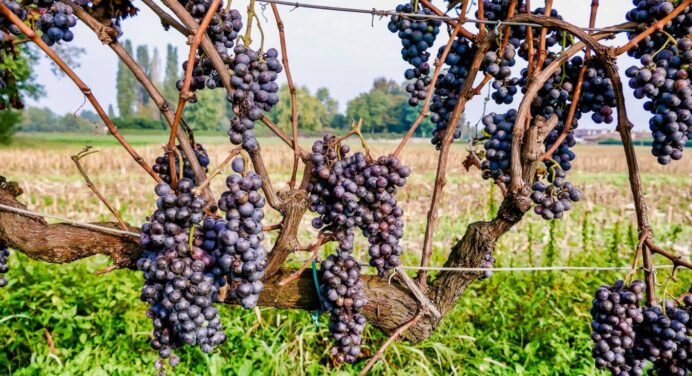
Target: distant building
(593,136)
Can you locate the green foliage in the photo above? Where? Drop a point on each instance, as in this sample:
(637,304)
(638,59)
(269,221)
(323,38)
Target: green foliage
(171,74)
(312,113)
(209,112)
(138,122)
(125,85)
(21,66)
(9,119)
(35,119)
(385,108)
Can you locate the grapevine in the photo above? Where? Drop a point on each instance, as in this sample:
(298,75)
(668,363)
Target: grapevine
(192,256)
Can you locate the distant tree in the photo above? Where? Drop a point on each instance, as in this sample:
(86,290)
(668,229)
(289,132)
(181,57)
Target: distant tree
(111,111)
(149,65)
(312,114)
(380,108)
(331,106)
(208,112)
(385,108)
(171,74)
(125,86)
(37,119)
(90,116)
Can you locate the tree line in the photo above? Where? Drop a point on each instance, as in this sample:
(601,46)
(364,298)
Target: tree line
(384,108)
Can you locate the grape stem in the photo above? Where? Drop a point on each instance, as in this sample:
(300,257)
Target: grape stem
(397,333)
(577,89)
(77,158)
(247,39)
(437,11)
(108,36)
(542,51)
(81,85)
(315,249)
(657,26)
(185,90)
(425,111)
(292,91)
(219,169)
(440,175)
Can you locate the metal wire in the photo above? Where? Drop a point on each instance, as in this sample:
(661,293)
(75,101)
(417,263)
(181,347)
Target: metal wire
(387,13)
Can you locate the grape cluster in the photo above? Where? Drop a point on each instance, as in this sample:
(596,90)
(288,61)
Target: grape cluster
(4,255)
(498,129)
(417,36)
(447,87)
(498,10)
(243,258)
(647,12)
(162,167)
(499,66)
(615,312)
(55,24)
(597,94)
(343,291)
(203,76)
(382,221)
(348,192)
(664,338)
(178,286)
(664,79)
(555,198)
(6,26)
(223,31)
(255,91)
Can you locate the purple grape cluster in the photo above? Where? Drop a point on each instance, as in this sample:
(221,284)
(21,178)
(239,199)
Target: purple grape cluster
(597,94)
(498,158)
(223,31)
(178,285)
(417,36)
(243,258)
(7,28)
(664,80)
(555,198)
(615,312)
(499,66)
(55,24)
(447,87)
(647,12)
(382,221)
(4,268)
(664,338)
(342,288)
(348,192)
(162,167)
(254,82)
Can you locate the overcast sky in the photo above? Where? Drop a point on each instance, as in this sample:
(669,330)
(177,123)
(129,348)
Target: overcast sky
(344,52)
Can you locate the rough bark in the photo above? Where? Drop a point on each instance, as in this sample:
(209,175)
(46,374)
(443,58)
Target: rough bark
(61,243)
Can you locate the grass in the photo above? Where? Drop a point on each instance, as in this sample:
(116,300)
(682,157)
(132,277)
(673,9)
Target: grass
(513,324)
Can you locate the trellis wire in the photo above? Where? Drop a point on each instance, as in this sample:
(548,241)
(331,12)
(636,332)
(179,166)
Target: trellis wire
(405,267)
(387,13)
